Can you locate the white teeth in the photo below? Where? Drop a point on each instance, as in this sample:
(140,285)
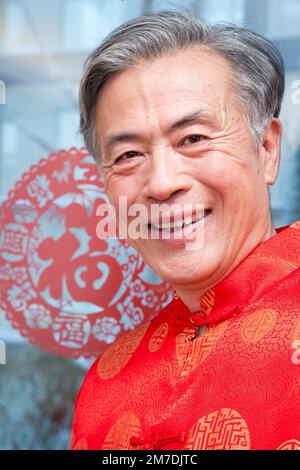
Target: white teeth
(177,224)
(188,220)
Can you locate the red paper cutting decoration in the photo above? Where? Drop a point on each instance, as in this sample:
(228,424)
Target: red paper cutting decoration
(62,287)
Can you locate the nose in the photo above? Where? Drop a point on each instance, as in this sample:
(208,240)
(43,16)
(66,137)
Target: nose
(167,175)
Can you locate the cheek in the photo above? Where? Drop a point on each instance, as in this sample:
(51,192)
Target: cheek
(122,192)
(226,174)
(112,195)
(113,186)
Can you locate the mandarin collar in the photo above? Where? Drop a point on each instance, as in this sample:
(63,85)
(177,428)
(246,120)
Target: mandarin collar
(270,261)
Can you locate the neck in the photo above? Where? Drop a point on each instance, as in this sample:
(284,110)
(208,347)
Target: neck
(191,295)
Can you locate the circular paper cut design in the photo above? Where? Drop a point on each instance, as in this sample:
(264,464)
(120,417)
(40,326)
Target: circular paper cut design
(62,287)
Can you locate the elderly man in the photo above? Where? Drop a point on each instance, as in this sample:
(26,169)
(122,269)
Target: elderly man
(178,112)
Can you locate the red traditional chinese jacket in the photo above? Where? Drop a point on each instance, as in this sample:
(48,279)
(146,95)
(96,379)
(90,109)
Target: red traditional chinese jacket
(236,385)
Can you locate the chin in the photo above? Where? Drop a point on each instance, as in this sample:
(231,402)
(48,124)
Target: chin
(184,265)
(183,273)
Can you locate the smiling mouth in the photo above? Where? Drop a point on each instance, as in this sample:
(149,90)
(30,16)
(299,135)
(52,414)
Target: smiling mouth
(180,224)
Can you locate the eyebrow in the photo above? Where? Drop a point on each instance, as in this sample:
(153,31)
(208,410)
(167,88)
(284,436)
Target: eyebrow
(199,115)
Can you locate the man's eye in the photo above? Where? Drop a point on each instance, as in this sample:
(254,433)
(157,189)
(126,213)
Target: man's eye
(127,155)
(194,138)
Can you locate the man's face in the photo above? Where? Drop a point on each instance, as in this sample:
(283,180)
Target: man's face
(209,160)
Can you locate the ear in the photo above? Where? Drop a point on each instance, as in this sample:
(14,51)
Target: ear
(270,150)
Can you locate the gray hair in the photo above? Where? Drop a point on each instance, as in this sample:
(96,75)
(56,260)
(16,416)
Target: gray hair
(256,63)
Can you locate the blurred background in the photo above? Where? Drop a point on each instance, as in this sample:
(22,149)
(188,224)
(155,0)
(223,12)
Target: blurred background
(42,49)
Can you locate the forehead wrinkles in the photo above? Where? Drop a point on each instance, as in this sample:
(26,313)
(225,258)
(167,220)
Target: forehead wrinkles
(147,99)
(160,110)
